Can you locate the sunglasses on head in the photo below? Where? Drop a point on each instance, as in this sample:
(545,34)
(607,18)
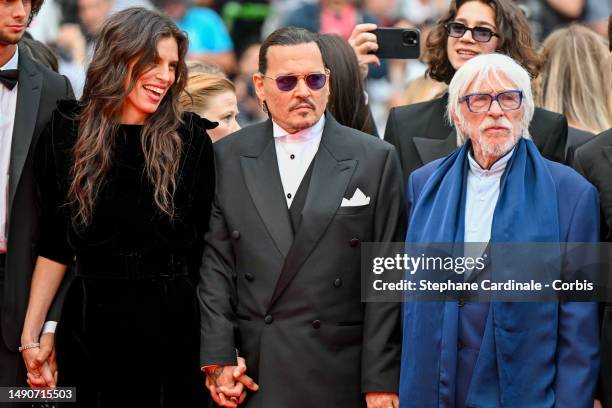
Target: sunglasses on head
(480,34)
(314,81)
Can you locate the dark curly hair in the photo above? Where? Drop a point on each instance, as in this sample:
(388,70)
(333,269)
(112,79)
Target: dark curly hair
(36,5)
(515,39)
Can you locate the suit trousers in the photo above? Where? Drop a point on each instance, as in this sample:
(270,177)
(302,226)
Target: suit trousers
(12,368)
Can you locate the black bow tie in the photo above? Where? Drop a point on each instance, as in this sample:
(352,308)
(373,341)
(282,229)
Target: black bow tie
(8,78)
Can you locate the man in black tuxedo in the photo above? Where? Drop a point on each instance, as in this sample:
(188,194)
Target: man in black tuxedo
(420,132)
(28,95)
(594,161)
(280,278)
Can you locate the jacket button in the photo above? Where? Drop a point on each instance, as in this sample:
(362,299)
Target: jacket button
(236,234)
(268,319)
(316,324)
(354,242)
(337,283)
(249,276)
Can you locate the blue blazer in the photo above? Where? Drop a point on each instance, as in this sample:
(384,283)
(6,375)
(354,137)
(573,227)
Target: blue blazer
(538,354)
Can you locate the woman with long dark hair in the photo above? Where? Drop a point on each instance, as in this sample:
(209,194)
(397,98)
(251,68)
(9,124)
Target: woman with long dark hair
(125,185)
(347,98)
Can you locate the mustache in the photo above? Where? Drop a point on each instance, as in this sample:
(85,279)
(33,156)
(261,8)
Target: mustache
(502,122)
(302,102)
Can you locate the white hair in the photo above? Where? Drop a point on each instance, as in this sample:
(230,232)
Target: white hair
(475,72)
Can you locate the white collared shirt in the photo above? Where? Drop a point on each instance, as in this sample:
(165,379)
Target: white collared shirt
(294,153)
(8,105)
(481,197)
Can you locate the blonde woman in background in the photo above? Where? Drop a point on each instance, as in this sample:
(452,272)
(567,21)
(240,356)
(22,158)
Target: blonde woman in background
(575,81)
(212,96)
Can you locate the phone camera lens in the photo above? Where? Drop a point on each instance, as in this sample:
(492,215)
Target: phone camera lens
(410,38)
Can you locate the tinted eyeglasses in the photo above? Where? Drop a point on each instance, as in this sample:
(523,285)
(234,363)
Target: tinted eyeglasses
(314,81)
(480,34)
(481,102)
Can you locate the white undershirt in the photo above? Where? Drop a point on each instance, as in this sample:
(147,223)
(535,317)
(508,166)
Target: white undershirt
(294,152)
(8,104)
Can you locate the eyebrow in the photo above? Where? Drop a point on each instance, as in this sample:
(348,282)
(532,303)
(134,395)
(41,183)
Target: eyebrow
(478,23)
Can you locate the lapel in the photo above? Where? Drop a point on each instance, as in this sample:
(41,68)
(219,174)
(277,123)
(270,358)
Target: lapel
(332,170)
(260,171)
(432,149)
(440,139)
(607,152)
(26,111)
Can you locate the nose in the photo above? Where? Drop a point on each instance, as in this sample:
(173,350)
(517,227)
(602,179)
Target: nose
(164,74)
(467,37)
(20,11)
(301,89)
(496,110)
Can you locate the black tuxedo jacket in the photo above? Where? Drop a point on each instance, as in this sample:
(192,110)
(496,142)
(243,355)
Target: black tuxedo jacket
(421,133)
(594,161)
(291,304)
(39,89)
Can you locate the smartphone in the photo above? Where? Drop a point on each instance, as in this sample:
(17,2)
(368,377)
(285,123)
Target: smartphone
(402,43)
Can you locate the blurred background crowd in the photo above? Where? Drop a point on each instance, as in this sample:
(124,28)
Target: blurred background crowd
(225,35)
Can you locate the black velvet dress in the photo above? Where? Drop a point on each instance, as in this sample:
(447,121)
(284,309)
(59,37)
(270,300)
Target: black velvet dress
(129,334)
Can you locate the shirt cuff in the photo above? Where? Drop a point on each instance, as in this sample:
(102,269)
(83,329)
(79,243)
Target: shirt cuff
(49,327)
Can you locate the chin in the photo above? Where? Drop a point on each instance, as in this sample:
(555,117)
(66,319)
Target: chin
(498,149)
(303,124)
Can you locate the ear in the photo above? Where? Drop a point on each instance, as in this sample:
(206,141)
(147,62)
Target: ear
(258,82)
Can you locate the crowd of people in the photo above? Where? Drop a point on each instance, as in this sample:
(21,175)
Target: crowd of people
(188,189)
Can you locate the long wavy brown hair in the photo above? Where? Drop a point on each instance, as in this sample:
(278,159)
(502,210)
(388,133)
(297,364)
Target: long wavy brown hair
(126,47)
(515,39)
(575,78)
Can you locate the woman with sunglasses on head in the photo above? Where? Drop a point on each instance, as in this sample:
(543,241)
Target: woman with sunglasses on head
(420,132)
(125,184)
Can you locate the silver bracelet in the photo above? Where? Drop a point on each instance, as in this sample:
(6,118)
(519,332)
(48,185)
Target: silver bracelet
(29,346)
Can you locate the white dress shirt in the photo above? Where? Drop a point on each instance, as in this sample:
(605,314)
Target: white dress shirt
(481,197)
(8,104)
(294,153)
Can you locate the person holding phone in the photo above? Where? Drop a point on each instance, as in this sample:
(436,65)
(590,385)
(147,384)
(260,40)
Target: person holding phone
(420,132)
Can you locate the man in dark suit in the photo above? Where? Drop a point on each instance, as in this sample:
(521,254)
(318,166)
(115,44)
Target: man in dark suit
(28,94)
(280,279)
(420,132)
(594,161)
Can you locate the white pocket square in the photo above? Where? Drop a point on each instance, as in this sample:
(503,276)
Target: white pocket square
(358,199)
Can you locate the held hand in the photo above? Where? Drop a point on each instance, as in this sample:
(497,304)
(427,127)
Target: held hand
(41,363)
(227,384)
(217,377)
(240,375)
(363,42)
(382,400)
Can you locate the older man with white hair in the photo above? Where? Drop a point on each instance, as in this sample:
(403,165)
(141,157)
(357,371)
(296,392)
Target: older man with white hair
(496,188)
